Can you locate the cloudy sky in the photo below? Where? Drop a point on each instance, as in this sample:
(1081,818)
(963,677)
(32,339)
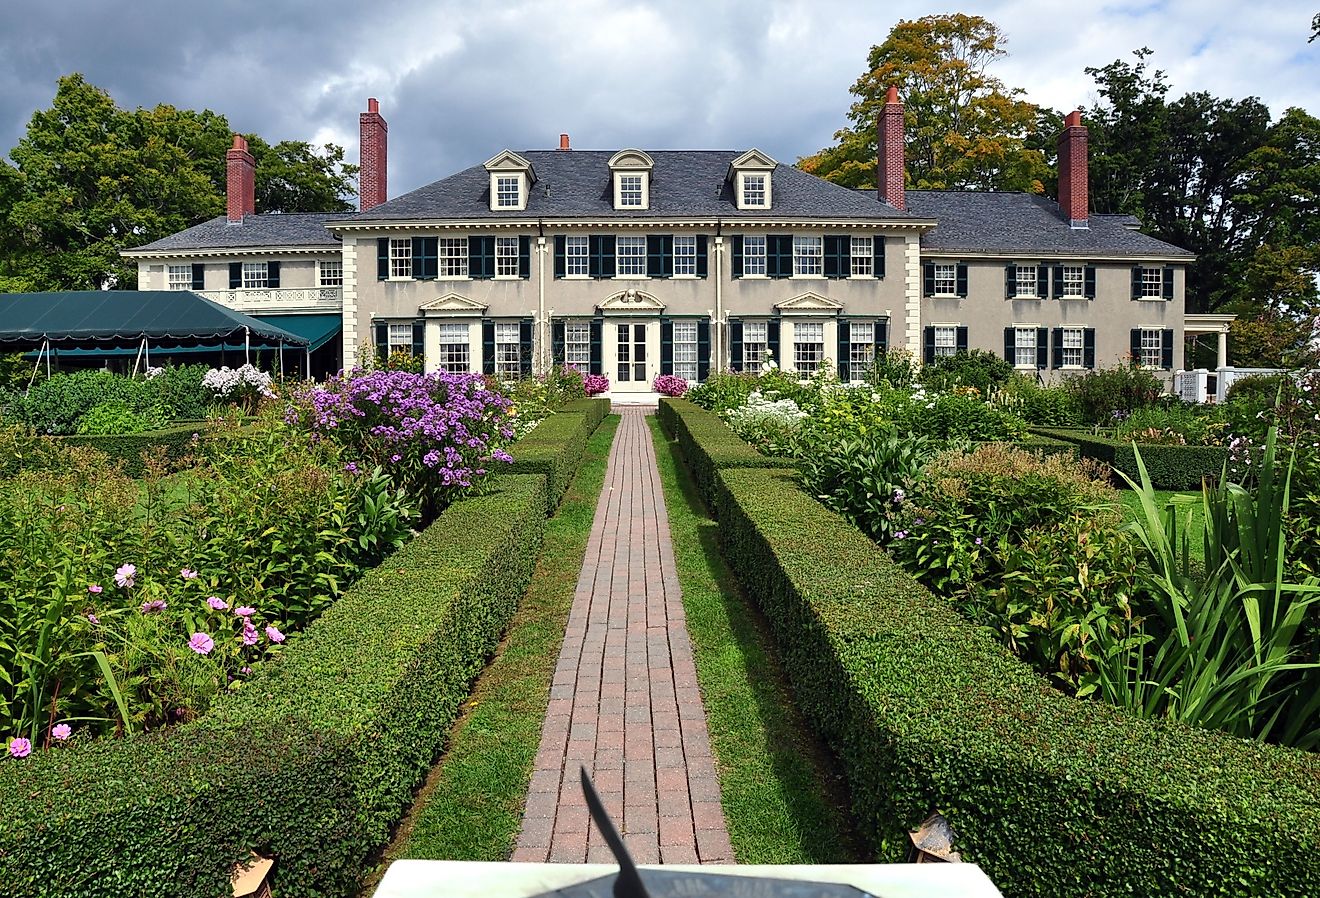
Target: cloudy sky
(460,81)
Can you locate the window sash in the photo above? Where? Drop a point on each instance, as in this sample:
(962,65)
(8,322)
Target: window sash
(1024,347)
(1072,348)
(1074,280)
(455,355)
(1152,347)
(179,277)
(507,191)
(754,255)
(861,257)
(946,341)
(861,348)
(755,336)
(685,349)
(400,257)
(506,256)
(1152,283)
(808,345)
(753,190)
(685,256)
(400,338)
(1025,282)
(330,273)
(577,345)
(807,255)
(946,279)
(256,276)
(630,190)
(577,256)
(630,256)
(508,349)
(452,259)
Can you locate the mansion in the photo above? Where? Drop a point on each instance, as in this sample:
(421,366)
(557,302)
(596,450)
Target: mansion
(638,263)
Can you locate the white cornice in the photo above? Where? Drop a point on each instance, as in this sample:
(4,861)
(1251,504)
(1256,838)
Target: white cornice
(1126,258)
(736,224)
(231,251)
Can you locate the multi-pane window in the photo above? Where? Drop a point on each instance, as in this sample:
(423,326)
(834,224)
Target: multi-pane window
(685,350)
(1024,343)
(946,279)
(1152,350)
(330,273)
(807,252)
(861,348)
(255,276)
(401,338)
(1152,283)
(754,255)
(754,190)
(507,192)
(400,257)
(1026,281)
(630,191)
(1074,280)
(455,351)
(755,334)
(453,260)
(577,345)
(576,257)
(808,345)
(946,340)
(508,345)
(631,353)
(862,261)
(630,255)
(685,256)
(179,277)
(506,256)
(1072,347)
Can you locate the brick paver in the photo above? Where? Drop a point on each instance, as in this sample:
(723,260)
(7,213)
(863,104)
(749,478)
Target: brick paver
(624,701)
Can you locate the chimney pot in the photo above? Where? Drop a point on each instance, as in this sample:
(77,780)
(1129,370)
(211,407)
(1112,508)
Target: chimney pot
(1074,198)
(563,142)
(892,95)
(890,169)
(373,157)
(373,105)
(240,181)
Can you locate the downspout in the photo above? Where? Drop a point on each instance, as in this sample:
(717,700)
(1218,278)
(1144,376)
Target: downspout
(717,349)
(247,345)
(542,337)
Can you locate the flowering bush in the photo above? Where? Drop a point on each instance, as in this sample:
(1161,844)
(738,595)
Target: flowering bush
(771,425)
(670,385)
(596,384)
(245,386)
(435,435)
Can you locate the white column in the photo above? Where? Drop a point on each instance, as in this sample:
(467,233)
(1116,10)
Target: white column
(717,326)
(1223,349)
(349,334)
(911,296)
(541,355)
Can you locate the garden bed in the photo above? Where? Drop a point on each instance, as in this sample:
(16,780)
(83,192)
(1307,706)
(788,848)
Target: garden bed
(708,445)
(1170,467)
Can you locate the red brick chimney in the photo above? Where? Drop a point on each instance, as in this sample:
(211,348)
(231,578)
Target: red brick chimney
(1073,196)
(563,142)
(372,157)
(241,181)
(890,171)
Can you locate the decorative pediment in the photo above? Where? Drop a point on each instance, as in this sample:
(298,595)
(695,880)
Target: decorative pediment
(509,161)
(452,304)
(753,160)
(632,300)
(809,303)
(631,159)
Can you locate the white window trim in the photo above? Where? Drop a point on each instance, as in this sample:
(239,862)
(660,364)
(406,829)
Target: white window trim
(1081,330)
(1159,329)
(243,285)
(820,258)
(585,364)
(1158,297)
(618,255)
(870,257)
(185,283)
(504,277)
(1017,288)
(494,191)
(1035,346)
(953,330)
(646,189)
(954,293)
(320,274)
(791,354)
(742,185)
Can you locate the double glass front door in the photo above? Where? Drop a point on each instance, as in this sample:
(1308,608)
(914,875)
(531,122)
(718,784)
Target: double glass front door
(631,353)
(634,348)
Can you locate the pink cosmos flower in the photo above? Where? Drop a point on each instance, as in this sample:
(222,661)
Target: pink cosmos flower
(201,643)
(188,573)
(20,747)
(245,670)
(93,619)
(245,611)
(61,731)
(153,606)
(249,636)
(217,603)
(274,635)
(94,588)
(124,576)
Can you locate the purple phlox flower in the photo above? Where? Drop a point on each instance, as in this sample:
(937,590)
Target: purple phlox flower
(188,573)
(274,635)
(153,606)
(245,611)
(94,588)
(20,747)
(919,521)
(249,636)
(978,540)
(351,468)
(245,670)
(124,576)
(61,731)
(501,455)
(217,603)
(201,643)
(902,534)
(899,495)
(93,619)
(395,457)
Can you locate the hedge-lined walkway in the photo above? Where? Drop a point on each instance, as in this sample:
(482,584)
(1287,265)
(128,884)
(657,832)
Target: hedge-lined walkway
(624,701)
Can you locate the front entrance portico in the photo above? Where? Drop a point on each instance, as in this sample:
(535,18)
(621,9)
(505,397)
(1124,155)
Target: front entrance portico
(630,340)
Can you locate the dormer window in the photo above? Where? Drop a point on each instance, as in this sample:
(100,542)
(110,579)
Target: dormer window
(751,175)
(511,179)
(631,171)
(508,191)
(754,190)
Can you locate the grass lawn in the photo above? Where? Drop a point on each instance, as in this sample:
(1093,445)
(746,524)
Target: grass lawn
(783,802)
(471,805)
(1191,514)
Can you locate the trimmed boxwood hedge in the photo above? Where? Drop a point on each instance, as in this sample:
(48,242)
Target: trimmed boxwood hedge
(555,448)
(708,445)
(314,760)
(1170,467)
(1050,795)
(594,409)
(173,442)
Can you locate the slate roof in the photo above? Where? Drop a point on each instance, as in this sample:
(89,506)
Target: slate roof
(578,184)
(294,229)
(1025,224)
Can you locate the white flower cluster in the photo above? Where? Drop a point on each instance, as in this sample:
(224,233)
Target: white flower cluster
(761,410)
(229,382)
(154,372)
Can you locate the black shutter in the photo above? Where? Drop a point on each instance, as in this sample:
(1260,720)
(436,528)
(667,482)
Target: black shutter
(960,340)
(273,275)
(702,264)
(419,340)
(425,267)
(1136,282)
(779,256)
(1088,290)
(558,340)
(1166,349)
(525,346)
(666,346)
(928,279)
(737,267)
(481,257)
(928,355)
(595,366)
(524,257)
(235,275)
(561,254)
(772,340)
(1010,345)
(736,340)
(1042,347)
(1168,284)
(198,276)
(962,280)
(1010,281)
(836,263)
(382,258)
(600,261)
(1058,347)
(1136,346)
(487,346)
(1088,347)
(382,340)
(703,349)
(844,344)
(1043,281)
(881,337)
(878,256)
(655,256)
(1058,282)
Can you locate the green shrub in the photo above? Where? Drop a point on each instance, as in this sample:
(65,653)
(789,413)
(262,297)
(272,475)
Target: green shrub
(1050,795)
(1105,394)
(116,417)
(864,474)
(169,444)
(178,390)
(978,368)
(55,404)
(595,410)
(554,450)
(707,444)
(1170,467)
(1039,405)
(314,760)
(1176,424)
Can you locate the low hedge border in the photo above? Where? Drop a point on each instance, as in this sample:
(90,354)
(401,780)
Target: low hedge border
(594,409)
(172,442)
(314,760)
(555,448)
(708,445)
(1050,795)
(1170,467)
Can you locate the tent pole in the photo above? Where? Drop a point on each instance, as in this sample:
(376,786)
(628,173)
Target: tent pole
(308,372)
(45,348)
(281,358)
(247,346)
(48,359)
(146,348)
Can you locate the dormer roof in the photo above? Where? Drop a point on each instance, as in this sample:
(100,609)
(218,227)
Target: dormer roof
(752,160)
(632,159)
(508,160)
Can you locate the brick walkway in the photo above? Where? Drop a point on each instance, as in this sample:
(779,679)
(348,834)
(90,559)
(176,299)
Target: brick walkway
(624,701)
